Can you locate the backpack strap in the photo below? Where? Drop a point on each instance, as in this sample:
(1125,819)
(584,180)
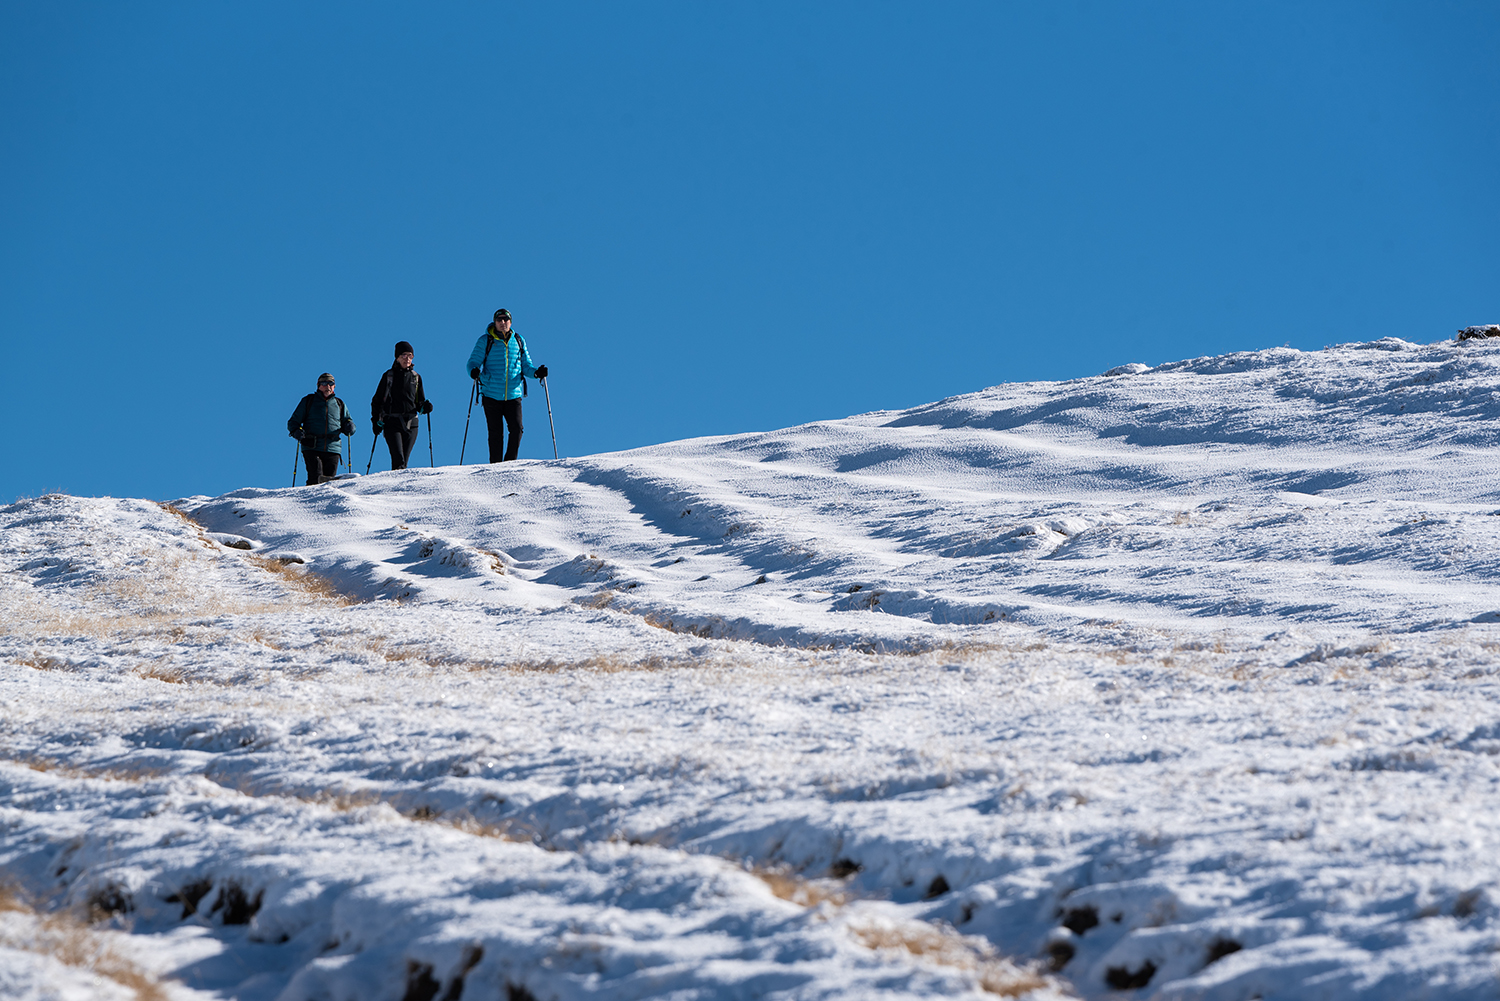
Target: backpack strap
(521,359)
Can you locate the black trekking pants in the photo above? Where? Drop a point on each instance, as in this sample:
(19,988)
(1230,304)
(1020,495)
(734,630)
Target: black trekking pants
(497,414)
(321,466)
(399,438)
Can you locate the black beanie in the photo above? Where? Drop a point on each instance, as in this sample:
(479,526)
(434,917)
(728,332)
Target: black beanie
(402,347)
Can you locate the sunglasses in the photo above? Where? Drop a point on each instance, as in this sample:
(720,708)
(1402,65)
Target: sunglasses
(322,383)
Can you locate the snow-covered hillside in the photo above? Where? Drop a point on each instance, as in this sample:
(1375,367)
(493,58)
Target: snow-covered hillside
(1176,682)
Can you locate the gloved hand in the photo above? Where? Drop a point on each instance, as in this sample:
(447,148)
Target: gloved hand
(377,424)
(347,427)
(541,371)
(474,374)
(295,433)
(426,406)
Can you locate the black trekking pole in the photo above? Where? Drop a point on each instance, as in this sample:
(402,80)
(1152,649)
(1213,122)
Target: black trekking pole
(372,453)
(474,389)
(296,454)
(548,395)
(430,460)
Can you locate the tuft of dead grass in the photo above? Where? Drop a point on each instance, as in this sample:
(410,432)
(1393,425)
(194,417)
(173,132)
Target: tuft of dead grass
(41,662)
(344,801)
(599,664)
(304,581)
(944,946)
(112,773)
(70,941)
(660,622)
(787,885)
(599,599)
(292,575)
(162,672)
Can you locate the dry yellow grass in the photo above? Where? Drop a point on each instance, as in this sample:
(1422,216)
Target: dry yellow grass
(599,664)
(652,619)
(599,599)
(344,800)
(789,886)
(301,580)
(115,773)
(72,942)
(40,662)
(162,672)
(945,947)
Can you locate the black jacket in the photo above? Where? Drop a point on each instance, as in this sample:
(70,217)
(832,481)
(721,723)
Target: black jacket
(398,395)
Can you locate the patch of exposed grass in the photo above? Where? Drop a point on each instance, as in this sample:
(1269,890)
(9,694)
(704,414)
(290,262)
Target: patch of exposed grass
(72,942)
(787,885)
(126,772)
(41,662)
(294,576)
(162,672)
(943,946)
(300,579)
(347,801)
(661,622)
(599,599)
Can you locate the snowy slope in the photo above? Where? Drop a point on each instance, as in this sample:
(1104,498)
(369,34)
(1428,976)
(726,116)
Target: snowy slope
(1178,682)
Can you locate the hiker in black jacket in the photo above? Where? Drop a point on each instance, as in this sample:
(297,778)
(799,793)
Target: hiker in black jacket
(397,401)
(318,421)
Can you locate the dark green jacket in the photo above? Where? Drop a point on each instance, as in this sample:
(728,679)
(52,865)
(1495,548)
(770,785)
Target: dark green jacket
(321,422)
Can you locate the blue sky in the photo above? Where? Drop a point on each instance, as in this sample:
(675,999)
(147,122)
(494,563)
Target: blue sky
(706,218)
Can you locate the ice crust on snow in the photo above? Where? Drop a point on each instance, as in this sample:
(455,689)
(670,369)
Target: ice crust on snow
(1181,684)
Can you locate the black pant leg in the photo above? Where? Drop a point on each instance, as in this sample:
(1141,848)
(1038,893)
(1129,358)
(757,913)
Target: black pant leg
(408,439)
(393,442)
(399,439)
(513,418)
(494,420)
(321,466)
(498,415)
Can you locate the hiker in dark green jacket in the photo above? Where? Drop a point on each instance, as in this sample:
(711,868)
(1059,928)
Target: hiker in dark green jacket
(317,422)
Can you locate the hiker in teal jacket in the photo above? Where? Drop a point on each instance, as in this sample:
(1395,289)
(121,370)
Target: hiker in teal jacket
(500,365)
(317,422)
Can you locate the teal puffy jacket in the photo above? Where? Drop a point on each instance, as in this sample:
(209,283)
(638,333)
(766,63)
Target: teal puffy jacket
(501,375)
(320,422)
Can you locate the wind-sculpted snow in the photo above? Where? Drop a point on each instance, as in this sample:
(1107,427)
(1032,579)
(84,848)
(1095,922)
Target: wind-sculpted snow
(1179,682)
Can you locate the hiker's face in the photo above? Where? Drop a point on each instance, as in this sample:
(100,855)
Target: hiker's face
(405,360)
(326,388)
(503,324)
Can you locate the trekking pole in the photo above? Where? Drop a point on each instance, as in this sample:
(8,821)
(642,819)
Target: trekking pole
(296,454)
(548,395)
(372,453)
(472,390)
(430,460)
